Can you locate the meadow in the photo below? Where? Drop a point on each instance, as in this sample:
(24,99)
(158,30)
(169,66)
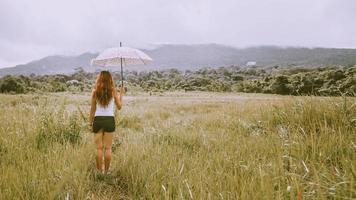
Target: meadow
(194,145)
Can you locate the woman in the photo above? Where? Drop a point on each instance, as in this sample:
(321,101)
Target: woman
(102,119)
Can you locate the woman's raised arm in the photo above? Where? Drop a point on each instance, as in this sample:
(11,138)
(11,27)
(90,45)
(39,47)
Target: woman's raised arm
(118,99)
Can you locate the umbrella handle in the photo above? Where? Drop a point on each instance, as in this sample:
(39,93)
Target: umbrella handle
(122,73)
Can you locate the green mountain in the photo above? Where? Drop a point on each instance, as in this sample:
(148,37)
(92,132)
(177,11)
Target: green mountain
(197,56)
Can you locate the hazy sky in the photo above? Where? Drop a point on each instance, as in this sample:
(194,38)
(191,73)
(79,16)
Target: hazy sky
(31,29)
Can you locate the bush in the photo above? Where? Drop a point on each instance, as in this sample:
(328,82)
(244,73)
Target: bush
(11,84)
(280,85)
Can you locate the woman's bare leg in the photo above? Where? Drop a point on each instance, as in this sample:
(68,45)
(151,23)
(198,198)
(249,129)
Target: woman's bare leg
(99,150)
(107,140)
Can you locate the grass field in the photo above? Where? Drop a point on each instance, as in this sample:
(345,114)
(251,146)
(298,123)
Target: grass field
(181,146)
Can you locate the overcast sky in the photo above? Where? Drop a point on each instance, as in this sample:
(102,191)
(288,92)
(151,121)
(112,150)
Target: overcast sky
(32,29)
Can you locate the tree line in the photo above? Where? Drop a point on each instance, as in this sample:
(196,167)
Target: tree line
(326,81)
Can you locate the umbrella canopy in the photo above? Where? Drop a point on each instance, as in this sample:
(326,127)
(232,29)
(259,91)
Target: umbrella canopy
(121,55)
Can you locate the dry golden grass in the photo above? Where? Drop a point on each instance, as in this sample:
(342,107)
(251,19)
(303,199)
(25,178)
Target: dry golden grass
(181,146)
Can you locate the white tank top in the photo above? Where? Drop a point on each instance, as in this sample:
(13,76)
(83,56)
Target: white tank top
(107,111)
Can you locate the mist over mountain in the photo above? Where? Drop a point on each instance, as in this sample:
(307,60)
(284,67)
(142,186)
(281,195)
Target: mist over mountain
(192,57)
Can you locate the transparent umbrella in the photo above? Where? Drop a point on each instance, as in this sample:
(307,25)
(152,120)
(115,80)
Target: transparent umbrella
(120,56)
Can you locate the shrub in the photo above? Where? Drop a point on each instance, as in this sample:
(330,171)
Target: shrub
(280,85)
(11,84)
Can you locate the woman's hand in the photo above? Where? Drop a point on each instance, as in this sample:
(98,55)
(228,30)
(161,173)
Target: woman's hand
(122,89)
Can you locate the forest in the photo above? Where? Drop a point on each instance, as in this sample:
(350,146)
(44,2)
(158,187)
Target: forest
(320,81)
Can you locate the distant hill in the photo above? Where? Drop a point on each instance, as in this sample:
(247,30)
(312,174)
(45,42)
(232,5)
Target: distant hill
(51,65)
(196,56)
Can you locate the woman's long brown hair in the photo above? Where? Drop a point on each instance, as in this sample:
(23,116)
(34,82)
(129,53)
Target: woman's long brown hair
(104,88)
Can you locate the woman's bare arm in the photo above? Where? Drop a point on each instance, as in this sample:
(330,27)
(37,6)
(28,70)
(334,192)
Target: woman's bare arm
(92,108)
(118,98)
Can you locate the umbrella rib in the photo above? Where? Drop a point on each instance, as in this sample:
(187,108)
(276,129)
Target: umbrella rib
(140,58)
